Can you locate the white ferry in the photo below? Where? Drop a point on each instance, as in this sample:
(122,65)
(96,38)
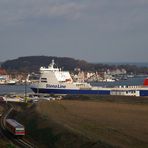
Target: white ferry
(55,81)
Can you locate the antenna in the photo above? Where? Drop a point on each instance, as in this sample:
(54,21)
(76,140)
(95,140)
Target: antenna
(52,63)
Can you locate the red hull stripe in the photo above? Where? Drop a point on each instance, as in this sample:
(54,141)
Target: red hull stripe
(19,133)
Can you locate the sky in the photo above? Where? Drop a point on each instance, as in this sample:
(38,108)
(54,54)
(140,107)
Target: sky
(92,30)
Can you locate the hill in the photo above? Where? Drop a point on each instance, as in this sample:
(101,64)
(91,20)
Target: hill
(103,121)
(33,63)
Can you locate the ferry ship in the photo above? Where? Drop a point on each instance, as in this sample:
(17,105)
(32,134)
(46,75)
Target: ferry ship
(55,81)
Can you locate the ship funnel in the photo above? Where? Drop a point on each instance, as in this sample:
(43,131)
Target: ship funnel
(145,82)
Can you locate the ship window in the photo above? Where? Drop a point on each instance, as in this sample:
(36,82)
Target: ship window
(44,80)
(80,85)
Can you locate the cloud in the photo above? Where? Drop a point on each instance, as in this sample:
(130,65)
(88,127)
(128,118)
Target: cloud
(108,15)
(16,11)
(94,29)
(118,15)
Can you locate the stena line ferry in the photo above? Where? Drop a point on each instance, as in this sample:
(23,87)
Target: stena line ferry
(55,81)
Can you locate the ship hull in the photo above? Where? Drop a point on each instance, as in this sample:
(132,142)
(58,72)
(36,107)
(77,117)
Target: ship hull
(85,91)
(70,91)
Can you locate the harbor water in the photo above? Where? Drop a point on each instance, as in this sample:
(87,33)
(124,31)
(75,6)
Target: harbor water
(7,89)
(138,80)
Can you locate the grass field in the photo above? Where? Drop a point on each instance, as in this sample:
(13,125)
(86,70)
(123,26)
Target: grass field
(105,122)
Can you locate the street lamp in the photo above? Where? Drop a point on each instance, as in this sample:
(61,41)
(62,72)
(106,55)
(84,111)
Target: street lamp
(25,89)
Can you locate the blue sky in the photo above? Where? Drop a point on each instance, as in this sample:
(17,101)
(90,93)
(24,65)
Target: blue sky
(93,30)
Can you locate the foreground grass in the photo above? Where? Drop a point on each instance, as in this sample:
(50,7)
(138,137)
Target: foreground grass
(5,144)
(89,123)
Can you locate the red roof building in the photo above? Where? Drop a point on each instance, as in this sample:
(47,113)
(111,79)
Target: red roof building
(3,71)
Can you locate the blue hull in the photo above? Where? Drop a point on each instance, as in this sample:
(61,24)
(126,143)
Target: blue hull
(143,92)
(70,91)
